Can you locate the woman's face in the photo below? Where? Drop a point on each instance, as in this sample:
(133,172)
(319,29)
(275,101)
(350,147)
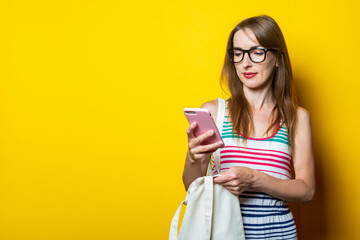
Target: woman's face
(253,75)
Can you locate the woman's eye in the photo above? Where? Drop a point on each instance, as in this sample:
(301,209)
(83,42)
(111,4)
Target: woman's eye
(259,53)
(237,54)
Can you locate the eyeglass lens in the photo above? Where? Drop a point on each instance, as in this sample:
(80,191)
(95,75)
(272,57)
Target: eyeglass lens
(256,55)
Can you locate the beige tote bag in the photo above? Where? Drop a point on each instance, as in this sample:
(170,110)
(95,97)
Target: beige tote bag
(212,213)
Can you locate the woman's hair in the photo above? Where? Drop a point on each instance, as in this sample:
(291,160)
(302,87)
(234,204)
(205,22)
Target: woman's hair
(269,35)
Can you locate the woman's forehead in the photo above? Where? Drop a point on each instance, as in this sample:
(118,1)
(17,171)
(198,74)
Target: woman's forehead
(245,39)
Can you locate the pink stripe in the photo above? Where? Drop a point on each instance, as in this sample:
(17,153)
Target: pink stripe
(258,150)
(255,153)
(255,163)
(276,131)
(255,158)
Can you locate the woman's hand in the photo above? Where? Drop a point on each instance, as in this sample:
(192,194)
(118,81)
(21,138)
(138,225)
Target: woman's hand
(236,179)
(198,152)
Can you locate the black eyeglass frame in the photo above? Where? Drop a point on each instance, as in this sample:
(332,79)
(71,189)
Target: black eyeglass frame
(231,50)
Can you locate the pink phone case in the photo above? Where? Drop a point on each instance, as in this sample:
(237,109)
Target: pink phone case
(204,123)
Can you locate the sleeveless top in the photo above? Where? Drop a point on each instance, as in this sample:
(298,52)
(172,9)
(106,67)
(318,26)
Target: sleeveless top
(264,216)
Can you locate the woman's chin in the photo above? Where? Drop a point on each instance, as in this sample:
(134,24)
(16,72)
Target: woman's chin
(255,84)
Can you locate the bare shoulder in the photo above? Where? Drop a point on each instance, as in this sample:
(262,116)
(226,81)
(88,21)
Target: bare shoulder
(303,128)
(212,107)
(303,116)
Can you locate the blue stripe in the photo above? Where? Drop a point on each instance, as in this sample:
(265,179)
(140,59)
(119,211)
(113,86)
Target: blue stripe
(270,228)
(258,193)
(258,197)
(268,224)
(263,211)
(279,141)
(282,133)
(280,137)
(227,131)
(265,215)
(254,192)
(289,238)
(273,139)
(283,238)
(264,206)
(269,235)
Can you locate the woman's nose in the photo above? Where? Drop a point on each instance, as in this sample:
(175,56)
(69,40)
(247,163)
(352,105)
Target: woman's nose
(246,62)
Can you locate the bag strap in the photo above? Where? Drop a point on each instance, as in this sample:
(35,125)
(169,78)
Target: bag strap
(175,223)
(208,210)
(209,200)
(219,124)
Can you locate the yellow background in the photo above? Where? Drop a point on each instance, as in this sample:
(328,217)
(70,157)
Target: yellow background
(92,134)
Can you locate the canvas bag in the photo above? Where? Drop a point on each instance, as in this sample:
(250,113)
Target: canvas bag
(212,212)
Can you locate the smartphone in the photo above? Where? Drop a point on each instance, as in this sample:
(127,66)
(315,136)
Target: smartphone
(204,123)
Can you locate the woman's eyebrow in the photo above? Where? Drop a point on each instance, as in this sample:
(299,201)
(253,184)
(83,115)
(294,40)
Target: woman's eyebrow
(238,48)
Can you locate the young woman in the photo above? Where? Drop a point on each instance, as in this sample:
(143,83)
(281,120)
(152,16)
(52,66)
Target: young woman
(267,158)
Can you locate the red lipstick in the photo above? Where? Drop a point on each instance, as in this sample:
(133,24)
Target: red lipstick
(249,74)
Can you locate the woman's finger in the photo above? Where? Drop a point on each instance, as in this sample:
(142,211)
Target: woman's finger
(190,130)
(209,148)
(236,190)
(226,176)
(198,140)
(222,179)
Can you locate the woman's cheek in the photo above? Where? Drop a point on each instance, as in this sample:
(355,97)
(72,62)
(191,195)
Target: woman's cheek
(238,72)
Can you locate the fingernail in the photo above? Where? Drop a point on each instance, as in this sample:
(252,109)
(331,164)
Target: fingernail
(211,132)
(193,124)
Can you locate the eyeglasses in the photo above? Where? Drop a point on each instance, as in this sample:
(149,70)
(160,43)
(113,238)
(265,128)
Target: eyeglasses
(256,54)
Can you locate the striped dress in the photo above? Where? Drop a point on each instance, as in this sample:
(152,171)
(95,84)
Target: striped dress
(264,216)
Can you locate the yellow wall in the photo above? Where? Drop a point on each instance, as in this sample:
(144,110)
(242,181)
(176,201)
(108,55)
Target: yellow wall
(92,134)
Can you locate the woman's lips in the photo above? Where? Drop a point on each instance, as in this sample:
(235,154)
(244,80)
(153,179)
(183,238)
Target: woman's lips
(249,74)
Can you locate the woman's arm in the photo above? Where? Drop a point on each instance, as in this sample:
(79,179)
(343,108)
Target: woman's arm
(299,189)
(198,156)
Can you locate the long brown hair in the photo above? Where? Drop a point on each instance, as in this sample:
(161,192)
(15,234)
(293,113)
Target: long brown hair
(269,35)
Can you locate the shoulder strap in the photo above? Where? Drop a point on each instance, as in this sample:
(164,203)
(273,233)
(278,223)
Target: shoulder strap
(220,114)
(219,124)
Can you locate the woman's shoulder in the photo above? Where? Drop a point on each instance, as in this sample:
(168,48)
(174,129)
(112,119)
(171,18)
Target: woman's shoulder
(302,114)
(211,105)
(303,118)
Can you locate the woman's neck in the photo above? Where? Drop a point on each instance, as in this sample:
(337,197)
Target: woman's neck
(260,99)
